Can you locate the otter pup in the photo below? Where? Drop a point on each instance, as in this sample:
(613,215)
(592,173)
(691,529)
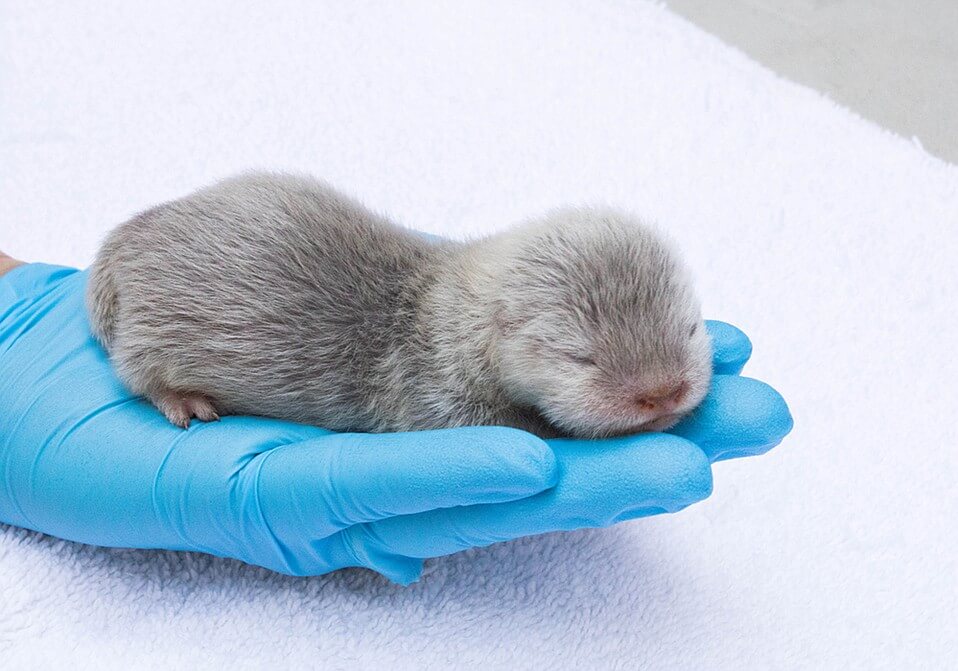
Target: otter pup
(276,295)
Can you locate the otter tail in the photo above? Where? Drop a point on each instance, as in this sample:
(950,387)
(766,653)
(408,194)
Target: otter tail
(101,295)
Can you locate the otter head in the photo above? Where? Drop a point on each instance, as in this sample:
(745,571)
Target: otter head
(597,325)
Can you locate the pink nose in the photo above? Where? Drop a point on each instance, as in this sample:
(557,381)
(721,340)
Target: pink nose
(665,398)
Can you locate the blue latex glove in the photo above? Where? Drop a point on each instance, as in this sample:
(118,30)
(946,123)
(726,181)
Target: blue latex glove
(83,459)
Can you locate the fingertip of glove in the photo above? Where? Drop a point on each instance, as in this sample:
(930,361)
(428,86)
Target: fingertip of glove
(770,407)
(520,462)
(692,479)
(529,454)
(676,472)
(781,422)
(763,419)
(731,347)
(404,573)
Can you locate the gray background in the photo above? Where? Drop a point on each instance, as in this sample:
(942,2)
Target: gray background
(892,61)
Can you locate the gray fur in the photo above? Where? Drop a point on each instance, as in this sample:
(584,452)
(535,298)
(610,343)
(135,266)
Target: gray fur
(276,295)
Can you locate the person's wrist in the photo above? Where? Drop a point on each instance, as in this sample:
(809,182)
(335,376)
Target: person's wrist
(8,263)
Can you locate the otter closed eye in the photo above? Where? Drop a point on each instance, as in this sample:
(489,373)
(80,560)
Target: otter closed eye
(276,295)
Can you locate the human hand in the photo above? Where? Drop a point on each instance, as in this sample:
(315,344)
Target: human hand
(83,459)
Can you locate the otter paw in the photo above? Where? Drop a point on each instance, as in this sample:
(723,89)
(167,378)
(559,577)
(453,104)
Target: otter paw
(180,407)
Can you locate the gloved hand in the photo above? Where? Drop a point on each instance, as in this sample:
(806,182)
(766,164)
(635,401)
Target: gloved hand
(83,459)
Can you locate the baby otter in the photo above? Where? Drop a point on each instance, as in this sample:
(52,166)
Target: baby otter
(276,295)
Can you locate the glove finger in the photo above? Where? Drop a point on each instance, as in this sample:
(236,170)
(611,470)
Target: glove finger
(316,487)
(731,348)
(740,417)
(601,483)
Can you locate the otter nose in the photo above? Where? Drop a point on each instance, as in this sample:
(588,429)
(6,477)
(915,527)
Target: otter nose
(664,398)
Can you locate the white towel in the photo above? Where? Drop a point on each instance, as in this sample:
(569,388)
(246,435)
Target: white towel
(830,241)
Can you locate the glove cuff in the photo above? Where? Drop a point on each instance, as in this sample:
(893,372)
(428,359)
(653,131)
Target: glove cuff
(29,279)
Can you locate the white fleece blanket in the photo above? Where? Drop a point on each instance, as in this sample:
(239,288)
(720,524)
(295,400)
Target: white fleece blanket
(831,241)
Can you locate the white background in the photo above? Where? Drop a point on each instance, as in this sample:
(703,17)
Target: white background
(830,241)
